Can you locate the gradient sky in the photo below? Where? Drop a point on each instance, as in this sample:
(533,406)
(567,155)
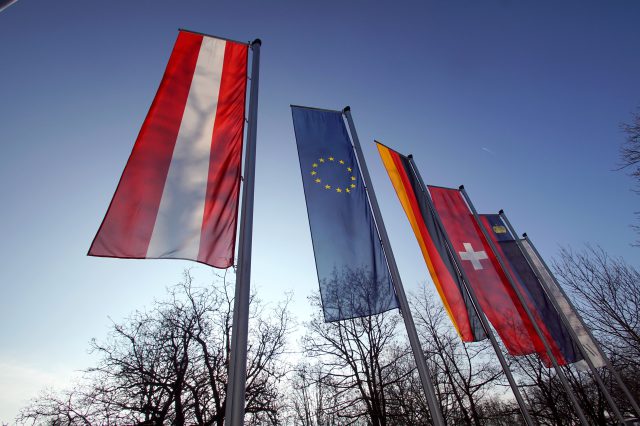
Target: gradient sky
(519,101)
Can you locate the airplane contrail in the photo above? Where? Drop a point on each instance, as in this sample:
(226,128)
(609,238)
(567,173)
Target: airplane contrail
(487,150)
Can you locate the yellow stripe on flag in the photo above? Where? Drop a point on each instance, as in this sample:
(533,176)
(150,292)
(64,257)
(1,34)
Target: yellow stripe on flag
(399,187)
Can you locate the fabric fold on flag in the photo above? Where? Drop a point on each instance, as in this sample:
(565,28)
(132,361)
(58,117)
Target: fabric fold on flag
(547,318)
(178,195)
(352,268)
(497,299)
(590,347)
(433,245)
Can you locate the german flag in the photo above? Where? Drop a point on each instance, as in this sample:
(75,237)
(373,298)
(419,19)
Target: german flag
(433,244)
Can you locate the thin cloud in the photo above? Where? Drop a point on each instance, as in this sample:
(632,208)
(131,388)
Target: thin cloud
(485,149)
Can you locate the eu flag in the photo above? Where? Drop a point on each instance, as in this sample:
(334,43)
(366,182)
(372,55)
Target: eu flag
(352,269)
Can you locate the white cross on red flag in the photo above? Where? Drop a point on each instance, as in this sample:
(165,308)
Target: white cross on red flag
(497,299)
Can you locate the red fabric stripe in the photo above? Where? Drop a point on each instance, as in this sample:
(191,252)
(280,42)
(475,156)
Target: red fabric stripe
(449,287)
(542,352)
(217,242)
(496,297)
(128,224)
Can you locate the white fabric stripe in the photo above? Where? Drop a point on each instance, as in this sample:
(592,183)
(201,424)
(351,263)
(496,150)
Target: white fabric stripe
(583,336)
(178,225)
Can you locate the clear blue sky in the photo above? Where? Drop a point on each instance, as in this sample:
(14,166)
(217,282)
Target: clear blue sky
(519,101)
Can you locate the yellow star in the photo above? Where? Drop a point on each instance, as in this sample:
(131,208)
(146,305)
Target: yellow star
(314,165)
(348,190)
(341,162)
(327,187)
(330,158)
(338,189)
(353,178)
(318,180)
(321,160)
(349,169)
(353,185)
(313,173)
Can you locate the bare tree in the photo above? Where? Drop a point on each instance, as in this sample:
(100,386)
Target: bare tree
(407,396)
(169,365)
(630,155)
(311,392)
(546,398)
(357,356)
(466,375)
(366,374)
(607,295)
(630,150)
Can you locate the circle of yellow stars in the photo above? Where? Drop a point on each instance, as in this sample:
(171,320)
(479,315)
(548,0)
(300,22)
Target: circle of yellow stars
(348,186)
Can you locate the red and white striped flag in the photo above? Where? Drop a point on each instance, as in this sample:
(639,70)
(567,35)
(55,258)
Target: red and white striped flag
(178,195)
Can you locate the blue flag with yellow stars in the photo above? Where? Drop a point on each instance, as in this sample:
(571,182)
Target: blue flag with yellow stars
(352,269)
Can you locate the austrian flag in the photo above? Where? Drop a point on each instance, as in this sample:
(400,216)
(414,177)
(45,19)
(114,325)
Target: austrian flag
(178,195)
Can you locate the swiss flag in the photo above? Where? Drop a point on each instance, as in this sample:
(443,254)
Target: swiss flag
(178,195)
(496,296)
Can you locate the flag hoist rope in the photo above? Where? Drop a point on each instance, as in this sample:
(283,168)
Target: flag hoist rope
(485,323)
(421,364)
(545,342)
(565,321)
(234,413)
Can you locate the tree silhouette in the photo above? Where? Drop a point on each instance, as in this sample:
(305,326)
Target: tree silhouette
(357,356)
(169,365)
(630,155)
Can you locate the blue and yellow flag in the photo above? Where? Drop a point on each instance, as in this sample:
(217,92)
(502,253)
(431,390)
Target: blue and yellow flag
(352,269)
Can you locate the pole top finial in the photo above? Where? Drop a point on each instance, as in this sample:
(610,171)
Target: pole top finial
(501,211)
(461,187)
(256,42)
(410,156)
(346,109)
(524,235)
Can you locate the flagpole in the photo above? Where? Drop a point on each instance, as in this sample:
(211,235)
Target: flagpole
(566,323)
(7,4)
(545,342)
(607,362)
(485,323)
(234,412)
(421,364)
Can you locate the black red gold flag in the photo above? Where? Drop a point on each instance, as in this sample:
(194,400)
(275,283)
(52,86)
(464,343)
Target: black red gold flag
(433,245)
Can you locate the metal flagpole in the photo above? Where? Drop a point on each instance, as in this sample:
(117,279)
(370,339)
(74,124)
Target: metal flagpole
(554,361)
(566,323)
(604,356)
(234,413)
(421,364)
(6,3)
(472,294)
